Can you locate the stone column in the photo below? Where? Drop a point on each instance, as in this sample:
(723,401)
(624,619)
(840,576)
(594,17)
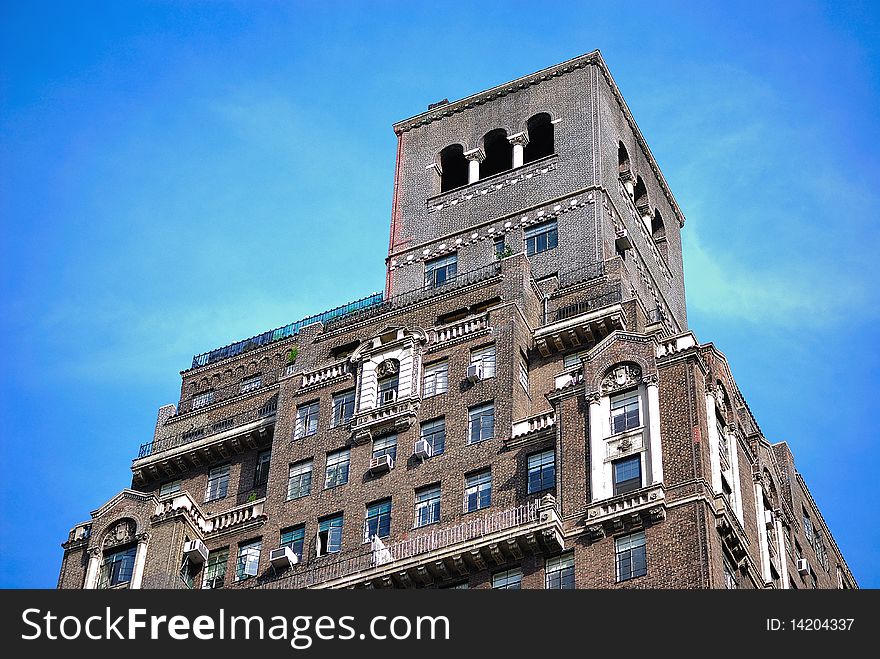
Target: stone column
(519,142)
(712,429)
(783,555)
(140,559)
(655,445)
(597,449)
(475,157)
(93,569)
(763,540)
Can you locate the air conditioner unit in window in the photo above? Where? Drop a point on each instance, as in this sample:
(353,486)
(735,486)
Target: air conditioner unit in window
(195,551)
(622,241)
(282,558)
(475,372)
(214,583)
(423,449)
(387,397)
(381,463)
(768,517)
(802,566)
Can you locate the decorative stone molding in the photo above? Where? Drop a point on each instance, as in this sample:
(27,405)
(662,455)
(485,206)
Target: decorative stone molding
(475,154)
(632,510)
(594,397)
(387,368)
(623,376)
(120,533)
(521,138)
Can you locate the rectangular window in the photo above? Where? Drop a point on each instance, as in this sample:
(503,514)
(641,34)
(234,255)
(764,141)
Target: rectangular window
(631,556)
(625,412)
(295,538)
(559,572)
(481,425)
(499,246)
(378,521)
(808,528)
(573,360)
(337,468)
(250,384)
(169,488)
(507,579)
(299,480)
(434,432)
(343,407)
(541,238)
(386,445)
(441,271)
(387,390)
(723,447)
(486,357)
(524,375)
(218,483)
(261,471)
(306,420)
(542,471)
(202,400)
(329,535)
(215,568)
(436,380)
(627,474)
(478,490)
(248,563)
(427,505)
(729,576)
(117,567)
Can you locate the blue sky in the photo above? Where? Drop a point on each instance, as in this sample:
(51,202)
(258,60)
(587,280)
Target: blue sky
(176,176)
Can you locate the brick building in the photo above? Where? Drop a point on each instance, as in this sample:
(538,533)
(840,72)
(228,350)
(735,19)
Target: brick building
(523,406)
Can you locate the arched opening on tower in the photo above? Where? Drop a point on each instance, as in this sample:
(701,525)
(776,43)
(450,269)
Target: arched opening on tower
(658,232)
(640,197)
(454,168)
(499,153)
(624,169)
(540,130)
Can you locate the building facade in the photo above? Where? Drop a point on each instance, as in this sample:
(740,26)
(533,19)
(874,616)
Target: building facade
(522,407)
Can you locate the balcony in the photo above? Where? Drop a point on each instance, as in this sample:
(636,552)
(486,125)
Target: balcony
(398,416)
(633,510)
(326,375)
(463,329)
(728,525)
(531,428)
(581,325)
(435,556)
(237,519)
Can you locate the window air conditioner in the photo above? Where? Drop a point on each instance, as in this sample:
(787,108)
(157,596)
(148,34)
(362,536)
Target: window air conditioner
(475,372)
(423,449)
(381,463)
(388,396)
(802,566)
(282,558)
(622,241)
(768,517)
(195,551)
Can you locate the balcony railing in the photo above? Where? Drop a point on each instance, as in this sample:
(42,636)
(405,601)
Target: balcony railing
(330,568)
(462,328)
(326,373)
(283,332)
(265,410)
(585,306)
(460,280)
(581,274)
(534,423)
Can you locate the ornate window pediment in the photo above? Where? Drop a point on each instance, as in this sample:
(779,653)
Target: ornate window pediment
(622,376)
(120,533)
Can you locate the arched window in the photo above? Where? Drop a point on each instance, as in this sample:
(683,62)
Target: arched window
(623,167)
(499,153)
(658,229)
(540,130)
(640,197)
(454,168)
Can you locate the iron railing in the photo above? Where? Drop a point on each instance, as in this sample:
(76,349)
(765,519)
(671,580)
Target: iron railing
(283,332)
(460,280)
(222,394)
(193,434)
(585,306)
(581,274)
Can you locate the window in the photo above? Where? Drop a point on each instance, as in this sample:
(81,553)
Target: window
(542,471)
(524,374)
(337,468)
(625,412)
(117,567)
(436,379)
(329,535)
(486,357)
(378,520)
(169,488)
(499,153)
(507,579)
(261,472)
(729,576)
(478,490)
(203,399)
(248,562)
(631,558)
(540,130)
(456,586)
(559,572)
(295,538)
(343,407)
(453,167)
(386,445)
(482,423)
(439,272)
(427,505)
(434,432)
(541,238)
(215,568)
(306,420)
(250,384)
(723,447)
(218,483)
(808,528)
(821,552)
(573,360)
(299,480)
(500,247)
(387,389)
(627,474)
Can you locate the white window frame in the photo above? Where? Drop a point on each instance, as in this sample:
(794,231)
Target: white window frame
(436,379)
(429,431)
(441,263)
(626,397)
(427,499)
(300,469)
(558,565)
(171,487)
(474,485)
(341,402)
(480,412)
(307,416)
(247,559)
(334,460)
(510,579)
(216,476)
(486,357)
